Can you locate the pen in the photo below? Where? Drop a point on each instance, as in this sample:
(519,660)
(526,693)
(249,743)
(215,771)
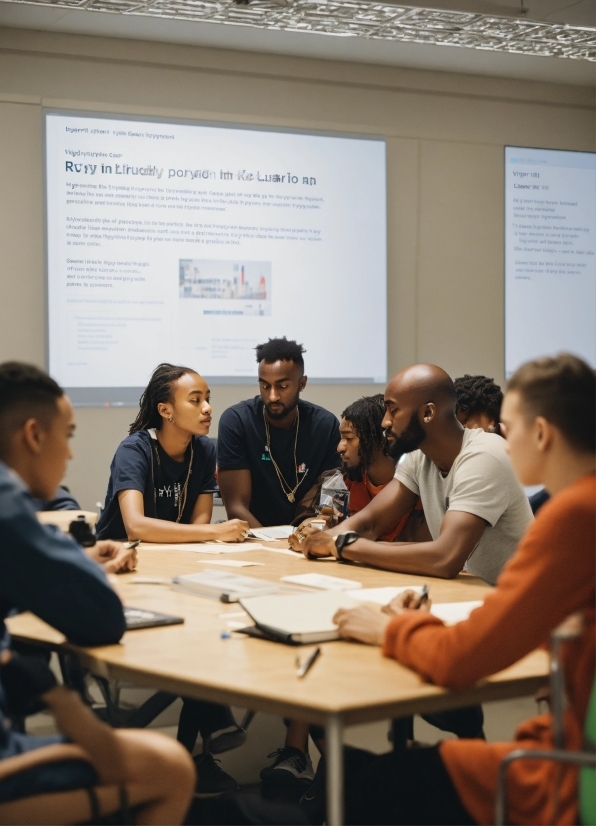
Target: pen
(133,544)
(306,665)
(423,595)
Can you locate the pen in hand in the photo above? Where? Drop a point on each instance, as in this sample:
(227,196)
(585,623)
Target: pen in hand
(423,595)
(308,662)
(134,544)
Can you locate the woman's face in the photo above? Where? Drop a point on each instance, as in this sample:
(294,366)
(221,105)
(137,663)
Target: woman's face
(190,408)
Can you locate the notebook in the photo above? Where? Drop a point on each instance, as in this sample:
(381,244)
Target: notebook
(141,618)
(296,619)
(222,585)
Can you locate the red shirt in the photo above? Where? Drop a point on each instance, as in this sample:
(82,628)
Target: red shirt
(361,493)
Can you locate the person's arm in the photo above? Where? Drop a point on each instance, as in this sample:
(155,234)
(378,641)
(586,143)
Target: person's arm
(376,519)
(236,491)
(550,576)
(444,557)
(46,572)
(139,526)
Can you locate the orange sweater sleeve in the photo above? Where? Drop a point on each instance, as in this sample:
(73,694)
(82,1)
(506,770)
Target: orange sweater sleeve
(550,576)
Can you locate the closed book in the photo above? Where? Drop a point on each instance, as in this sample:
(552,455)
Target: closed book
(296,619)
(222,585)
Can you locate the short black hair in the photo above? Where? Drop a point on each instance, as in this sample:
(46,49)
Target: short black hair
(280,349)
(563,390)
(25,392)
(366,417)
(478,394)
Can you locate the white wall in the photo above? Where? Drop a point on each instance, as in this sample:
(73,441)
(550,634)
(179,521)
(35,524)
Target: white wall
(445,136)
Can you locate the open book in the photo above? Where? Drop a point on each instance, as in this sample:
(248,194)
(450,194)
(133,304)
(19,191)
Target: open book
(296,619)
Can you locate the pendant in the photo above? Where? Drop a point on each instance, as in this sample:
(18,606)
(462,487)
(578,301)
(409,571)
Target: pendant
(291,497)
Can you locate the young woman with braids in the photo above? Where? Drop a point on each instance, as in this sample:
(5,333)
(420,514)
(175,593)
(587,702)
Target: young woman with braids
(162,476)
(161,487)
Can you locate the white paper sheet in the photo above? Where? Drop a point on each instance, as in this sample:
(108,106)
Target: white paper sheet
(454,612)
(382,596)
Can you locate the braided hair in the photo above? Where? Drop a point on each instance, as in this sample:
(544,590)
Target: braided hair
(366,417)
(158,391)
(478,394)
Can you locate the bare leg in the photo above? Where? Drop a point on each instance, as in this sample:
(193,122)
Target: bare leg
(297,735)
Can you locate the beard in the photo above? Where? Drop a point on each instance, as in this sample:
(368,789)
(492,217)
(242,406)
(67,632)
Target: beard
(354,474)
(282,412)
(410,439)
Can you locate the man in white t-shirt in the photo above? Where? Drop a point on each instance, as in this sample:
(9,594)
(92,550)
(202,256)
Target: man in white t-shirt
(475,508)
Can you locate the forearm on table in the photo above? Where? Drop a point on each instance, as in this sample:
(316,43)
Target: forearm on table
(422,558)
(161,530)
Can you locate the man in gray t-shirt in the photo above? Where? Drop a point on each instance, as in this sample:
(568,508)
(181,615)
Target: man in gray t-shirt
(475,508)
(481,482)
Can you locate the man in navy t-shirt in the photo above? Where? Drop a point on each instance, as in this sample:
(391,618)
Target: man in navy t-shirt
(271,449)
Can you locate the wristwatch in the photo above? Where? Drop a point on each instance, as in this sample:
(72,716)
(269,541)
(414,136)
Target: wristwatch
(342,540)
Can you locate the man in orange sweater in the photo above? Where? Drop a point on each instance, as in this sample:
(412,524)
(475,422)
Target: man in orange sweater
(549,418)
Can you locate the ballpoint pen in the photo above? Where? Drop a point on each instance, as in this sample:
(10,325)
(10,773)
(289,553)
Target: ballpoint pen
(308,662)
(423,595)
(134,544)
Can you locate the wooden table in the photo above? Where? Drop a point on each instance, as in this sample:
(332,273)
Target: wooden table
(351,683)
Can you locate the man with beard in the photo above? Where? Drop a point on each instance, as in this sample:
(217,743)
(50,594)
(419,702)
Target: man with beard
(475,508)
(272,448)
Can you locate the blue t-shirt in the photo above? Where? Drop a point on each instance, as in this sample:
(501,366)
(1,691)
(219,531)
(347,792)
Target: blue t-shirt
(242,445)
(140,463)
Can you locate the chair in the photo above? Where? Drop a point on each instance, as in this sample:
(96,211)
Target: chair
(586,758)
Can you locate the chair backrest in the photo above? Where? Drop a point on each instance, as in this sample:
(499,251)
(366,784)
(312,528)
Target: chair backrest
(587,777)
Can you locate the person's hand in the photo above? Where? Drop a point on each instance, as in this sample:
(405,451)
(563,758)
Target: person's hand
(124,561)
(318,544)
(363,623)
(408,601)
(236,530)
(306,528)
(114,557)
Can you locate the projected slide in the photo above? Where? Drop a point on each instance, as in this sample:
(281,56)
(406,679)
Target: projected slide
(193,243)
(550,254)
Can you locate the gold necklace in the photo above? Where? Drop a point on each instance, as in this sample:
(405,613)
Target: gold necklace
(287,489)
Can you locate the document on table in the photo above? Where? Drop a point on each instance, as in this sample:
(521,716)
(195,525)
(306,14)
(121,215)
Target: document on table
(454,612)
(214,548)
(382,596)
(232,563)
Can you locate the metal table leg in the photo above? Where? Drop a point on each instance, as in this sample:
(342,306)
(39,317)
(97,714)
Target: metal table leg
(335,770)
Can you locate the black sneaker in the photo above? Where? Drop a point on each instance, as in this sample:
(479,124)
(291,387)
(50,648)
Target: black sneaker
(313,801)
(291,771)
(212,779)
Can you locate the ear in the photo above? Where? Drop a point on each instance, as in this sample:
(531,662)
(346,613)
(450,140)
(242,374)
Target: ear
(33,435)
(427,412)
(544,434)
(302,383)
(164,410)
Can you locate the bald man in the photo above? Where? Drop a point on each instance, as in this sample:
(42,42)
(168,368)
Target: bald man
(475,508)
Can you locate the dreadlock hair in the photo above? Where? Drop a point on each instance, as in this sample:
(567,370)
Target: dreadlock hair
(366,417)
(158,391)
(280,349)
(478,394)
(563,390)
(26,392)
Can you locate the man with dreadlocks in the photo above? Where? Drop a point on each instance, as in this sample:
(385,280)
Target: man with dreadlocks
(367,466)
(479,402)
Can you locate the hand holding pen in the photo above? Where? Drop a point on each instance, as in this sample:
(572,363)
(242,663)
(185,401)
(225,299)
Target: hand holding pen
(409,601)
